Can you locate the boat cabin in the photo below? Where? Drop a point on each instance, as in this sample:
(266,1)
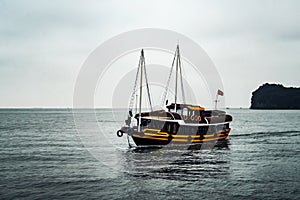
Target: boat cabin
(188,112)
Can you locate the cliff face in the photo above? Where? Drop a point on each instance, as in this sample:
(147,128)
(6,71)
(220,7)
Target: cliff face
(273,96)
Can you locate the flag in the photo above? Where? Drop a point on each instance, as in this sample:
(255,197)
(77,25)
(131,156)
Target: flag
(220,92)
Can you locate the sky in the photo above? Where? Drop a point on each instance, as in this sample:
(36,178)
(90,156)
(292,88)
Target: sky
(43,44)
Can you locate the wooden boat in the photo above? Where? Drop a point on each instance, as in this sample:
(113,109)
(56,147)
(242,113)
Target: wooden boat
(178,123)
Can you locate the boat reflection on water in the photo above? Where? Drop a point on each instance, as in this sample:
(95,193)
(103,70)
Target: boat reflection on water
(174,163)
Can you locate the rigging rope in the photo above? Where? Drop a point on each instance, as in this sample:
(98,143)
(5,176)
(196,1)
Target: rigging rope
(176,55)
(181,79)
(148,90)
(168,82)
(141,64)
(134,87)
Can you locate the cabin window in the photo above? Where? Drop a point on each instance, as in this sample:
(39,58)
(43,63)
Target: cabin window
(174,128)
(222,127)
(199,129)
(184,111)
(169,128)
(193,130)
(160,125)
(155,124)
(181,129)
(202,129)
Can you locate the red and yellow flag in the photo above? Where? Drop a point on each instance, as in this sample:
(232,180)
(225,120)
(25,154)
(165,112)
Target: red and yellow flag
(220,92)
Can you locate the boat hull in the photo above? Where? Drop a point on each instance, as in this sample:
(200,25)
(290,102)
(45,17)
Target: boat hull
(166,127)
(145,138)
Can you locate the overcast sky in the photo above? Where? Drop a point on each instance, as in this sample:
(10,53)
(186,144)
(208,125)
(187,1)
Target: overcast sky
(44,43)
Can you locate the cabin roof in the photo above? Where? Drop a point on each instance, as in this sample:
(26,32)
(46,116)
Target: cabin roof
(188,106)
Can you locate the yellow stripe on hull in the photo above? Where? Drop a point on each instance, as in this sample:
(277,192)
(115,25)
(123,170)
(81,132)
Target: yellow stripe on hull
(158,133)
(155,134)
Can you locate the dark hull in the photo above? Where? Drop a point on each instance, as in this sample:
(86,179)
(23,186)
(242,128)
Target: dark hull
(144,139)
(151,142)
(192,125)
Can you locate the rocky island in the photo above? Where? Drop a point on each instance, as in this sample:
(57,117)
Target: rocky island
(275,96)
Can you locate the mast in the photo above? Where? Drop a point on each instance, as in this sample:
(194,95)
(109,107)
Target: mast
(141,90)
(177,49)
(181,78)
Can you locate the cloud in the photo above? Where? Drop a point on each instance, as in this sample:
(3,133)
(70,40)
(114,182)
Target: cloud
(50,39)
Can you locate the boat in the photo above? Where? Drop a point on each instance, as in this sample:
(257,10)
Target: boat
(176,123)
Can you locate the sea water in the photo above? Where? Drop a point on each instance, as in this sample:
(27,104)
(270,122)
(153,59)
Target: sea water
(44,154)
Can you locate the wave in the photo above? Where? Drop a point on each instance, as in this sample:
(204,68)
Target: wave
(266,133)
(111,121)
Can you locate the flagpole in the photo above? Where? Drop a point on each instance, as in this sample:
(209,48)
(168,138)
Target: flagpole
(216,101)
(221,93)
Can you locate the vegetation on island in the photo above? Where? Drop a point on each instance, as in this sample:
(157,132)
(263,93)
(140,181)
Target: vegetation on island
(275,96)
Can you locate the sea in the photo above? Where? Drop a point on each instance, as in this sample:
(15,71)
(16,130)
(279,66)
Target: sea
(76,154)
